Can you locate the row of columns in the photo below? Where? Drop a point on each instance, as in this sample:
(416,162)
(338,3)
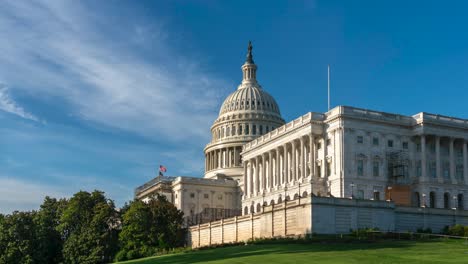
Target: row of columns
(283,165)
(223,158)
(452,173)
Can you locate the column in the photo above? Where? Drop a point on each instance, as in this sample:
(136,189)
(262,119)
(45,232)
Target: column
(311,155)
(277,181)
(263,186)
(245,179)
(235,157)
(256,180)
(452,161)
(251,178)
(438,168)
(270,170)
(423,158)
(285,165)
(303,161)
(293,162)
(465,162)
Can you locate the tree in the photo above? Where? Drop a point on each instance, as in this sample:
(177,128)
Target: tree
(147,227)
(88,225)
(18,241)
(47,219)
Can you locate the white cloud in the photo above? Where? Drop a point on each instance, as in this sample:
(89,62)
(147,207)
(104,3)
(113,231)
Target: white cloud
(8,105)
(68,52)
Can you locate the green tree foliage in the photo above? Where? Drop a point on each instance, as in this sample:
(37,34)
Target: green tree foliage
(18,238)
(49,238)
(149,227)
(88,226)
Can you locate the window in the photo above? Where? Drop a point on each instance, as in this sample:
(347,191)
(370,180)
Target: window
(220,197)
(233,130)
(459,171)
(418,169)
(432,147)
(240,130)
(319,145)
(206,196)
(446,200)
(360,139)
(432,199)
(328,168)
(266,129)
(254,130)
(418,147)
(360,194)
(247,130)
(375,141)
(376,195)
(261,130)
(360,168)
(390,143)
(375,168)
(328,142)
(319,171)
(446,170)
(433,169)
(405,145)
(228,131)
(192,195)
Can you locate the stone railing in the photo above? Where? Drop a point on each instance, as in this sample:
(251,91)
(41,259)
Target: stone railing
(425,117)
(152,183)
(305,119)
(370,114)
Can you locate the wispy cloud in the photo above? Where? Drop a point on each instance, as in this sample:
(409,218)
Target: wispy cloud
(8,105)
(69,52)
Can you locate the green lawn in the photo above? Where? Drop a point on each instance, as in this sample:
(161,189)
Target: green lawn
(436,251)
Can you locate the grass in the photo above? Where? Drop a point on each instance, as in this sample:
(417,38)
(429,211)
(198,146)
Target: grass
(431,251)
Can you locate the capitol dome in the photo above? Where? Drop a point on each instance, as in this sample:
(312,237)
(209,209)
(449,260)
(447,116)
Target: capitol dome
(245,114)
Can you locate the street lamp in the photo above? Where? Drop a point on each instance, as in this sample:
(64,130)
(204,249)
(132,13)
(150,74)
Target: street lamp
(352,190)
(389,188)
(455,209)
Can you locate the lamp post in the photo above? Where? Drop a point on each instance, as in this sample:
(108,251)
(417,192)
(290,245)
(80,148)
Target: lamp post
(455,209)
(424,210)
(352,190)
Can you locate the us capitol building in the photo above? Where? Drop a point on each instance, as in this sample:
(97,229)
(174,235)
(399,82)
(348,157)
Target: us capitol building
(346,155)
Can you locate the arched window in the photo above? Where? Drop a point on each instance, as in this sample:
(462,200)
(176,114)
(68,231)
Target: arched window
(246,210)
(259,208)
(304,194)
(222,132)
(446,200)
(233,129)
(228,131)
(432,199)
(252,209)
(272,202)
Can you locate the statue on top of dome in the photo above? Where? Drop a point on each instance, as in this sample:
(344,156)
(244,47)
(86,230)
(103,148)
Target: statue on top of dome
(249,53)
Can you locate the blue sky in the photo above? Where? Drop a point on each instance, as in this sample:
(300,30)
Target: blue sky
(97,94)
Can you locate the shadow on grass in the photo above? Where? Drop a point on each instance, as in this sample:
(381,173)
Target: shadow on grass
(235,252)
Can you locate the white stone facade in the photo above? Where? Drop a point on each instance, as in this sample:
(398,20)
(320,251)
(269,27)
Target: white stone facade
(361,153)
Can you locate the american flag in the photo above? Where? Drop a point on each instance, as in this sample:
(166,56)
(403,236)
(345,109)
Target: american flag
(162,168)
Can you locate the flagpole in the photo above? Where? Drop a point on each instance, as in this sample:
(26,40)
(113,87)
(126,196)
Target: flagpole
(328,87)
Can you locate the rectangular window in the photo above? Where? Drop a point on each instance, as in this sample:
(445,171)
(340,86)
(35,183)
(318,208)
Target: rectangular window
(418,147)
(405,145)
(459,171)
(360,139)
(206,196)
(360,194)
(328,142)
(319,171)
(390,143)
(433,169)
(360,168)
(376,195)
(220,197)
(192,195)
(418,169)
(376,168)
(375,141)
(319,145)
(254,129)
(328,168)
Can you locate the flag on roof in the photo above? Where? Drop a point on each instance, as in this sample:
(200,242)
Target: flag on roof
(162,168)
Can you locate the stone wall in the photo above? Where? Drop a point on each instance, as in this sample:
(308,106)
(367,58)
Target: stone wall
(323,215)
